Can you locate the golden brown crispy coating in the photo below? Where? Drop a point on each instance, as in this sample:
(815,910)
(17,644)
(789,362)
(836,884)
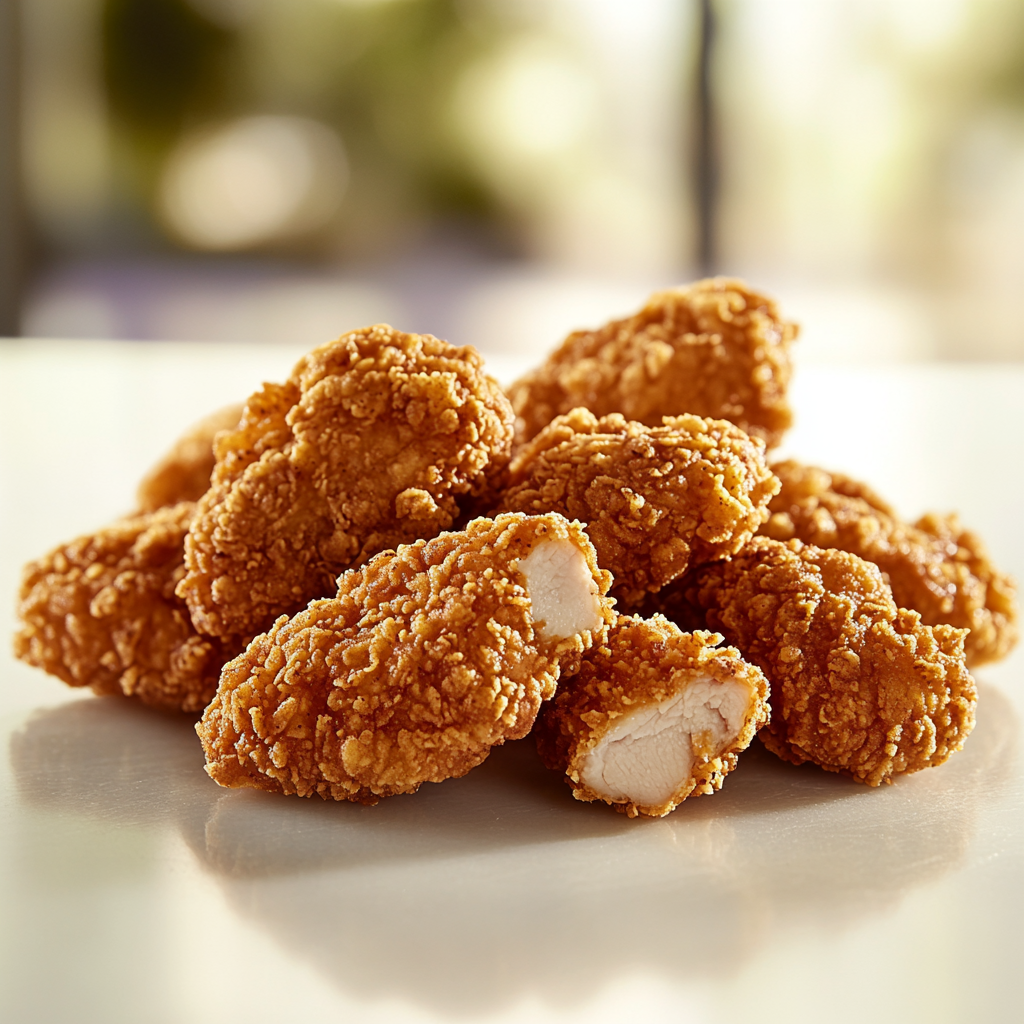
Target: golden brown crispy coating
(858,685)
(934,566)
(370,443)
(653,499)
(653,716)
(101,612)
(429,656)
(183,474)
(715,348)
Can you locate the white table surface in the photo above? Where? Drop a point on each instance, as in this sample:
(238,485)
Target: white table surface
(133,889)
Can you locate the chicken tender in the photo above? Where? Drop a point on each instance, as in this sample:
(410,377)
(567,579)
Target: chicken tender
(183,474)
(652,499)
(858,685)
(715,348)
(370,443)
(427,657)
(653,716)
(934,566)
(101,612)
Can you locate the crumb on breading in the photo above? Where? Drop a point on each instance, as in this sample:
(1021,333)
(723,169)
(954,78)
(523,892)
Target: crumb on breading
(428,657)
(652,499)
(371,442)
(715,348)
(934,566)
(858,685)
(101,612)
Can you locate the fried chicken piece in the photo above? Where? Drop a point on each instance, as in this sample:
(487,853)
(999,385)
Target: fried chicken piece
(370,443)
(653,499)
(653,716)
(183,474)
(858,685)
(715,348)
(101,612)
(429,656)
(934,566)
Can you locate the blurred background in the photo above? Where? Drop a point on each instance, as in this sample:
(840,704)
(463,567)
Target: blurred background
(498,172)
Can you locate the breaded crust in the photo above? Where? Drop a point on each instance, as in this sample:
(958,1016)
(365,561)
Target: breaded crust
(101,612)
(858,685)
(645,662)
(370,443)
(428,657)
(934,566)
(715,348)
(653,499)
(183,474)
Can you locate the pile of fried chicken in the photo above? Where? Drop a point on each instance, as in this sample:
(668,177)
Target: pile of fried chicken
(368,576)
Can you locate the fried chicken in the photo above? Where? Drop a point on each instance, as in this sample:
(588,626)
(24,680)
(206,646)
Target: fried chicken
(934,566)
(183,474)
(370,443)
(858,685)
(427,657)
(715,348)
(101,612)
(653,716)
(652,499)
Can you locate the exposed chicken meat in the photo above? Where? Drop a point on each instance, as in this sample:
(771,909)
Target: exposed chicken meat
(561,589)
(653,716)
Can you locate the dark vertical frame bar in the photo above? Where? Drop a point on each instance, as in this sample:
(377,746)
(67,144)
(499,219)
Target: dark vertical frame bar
(705,142)
(12,235)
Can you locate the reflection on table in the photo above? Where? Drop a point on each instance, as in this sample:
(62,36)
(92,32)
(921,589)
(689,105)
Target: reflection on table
(472,894)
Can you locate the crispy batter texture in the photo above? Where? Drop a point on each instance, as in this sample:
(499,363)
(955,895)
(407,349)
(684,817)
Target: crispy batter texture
(934,566)
(427,658)
(858,685)
(653,499)
(644,662)
(370,443)
(183,474)
(101,612)
(715,348)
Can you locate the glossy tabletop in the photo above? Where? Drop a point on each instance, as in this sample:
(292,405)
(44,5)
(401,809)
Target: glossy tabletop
(133,889)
